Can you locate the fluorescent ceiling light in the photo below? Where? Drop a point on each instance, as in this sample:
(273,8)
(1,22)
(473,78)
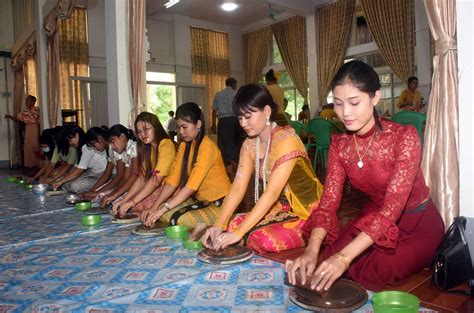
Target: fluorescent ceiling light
(170,3)
(229,6)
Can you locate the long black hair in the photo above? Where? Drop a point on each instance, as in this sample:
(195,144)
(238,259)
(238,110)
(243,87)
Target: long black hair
(270,76)
(61,139)
(144,150)
(361,76)
(119,129)
(71,132)
(46,138)
(253,97)
(191,113)
(94,133)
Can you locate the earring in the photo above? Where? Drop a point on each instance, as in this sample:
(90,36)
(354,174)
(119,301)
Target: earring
(268,121)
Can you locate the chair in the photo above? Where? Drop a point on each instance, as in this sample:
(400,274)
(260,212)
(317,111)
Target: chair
(411,118)
(320,129)
(298,127)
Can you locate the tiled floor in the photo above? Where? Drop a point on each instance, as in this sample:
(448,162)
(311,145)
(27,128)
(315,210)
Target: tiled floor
(419,284)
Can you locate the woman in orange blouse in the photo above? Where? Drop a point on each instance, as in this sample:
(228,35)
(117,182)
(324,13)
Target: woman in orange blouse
(30,117)
(198,183)
(410,99)
(156,152)
(285,184)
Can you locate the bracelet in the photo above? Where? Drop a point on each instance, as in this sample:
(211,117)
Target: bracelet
(343,258)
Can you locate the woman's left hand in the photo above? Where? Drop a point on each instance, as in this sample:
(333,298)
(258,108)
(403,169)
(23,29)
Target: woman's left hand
(225,239)
(327,272)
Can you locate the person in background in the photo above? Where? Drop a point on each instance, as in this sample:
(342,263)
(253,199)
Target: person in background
(274,158)
(63,159)
(410,98)
(156,152)
(170,125)
(304,116)
(398,230)
(229,132)
(124,147)
(89,166)
(195,188)
(30,117)
(98,138)
(328,112)
(278,97)
(47,146)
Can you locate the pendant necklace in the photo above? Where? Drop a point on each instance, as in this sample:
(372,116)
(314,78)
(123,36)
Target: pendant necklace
(257,167)
(360,164)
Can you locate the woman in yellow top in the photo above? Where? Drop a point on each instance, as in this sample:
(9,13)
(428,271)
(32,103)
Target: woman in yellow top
(156,152)
(198,183)
(285,183)
(410,99)
(278,97)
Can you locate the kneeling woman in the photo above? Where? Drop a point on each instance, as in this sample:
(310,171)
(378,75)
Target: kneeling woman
(156,152)
(195,188)
(282,175)
(89,166)
(397,232)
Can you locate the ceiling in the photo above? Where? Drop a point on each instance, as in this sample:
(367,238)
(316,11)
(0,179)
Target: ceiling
(248,12)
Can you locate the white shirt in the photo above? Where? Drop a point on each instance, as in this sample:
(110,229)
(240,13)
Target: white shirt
(127,155)
(170,125)
(93,160)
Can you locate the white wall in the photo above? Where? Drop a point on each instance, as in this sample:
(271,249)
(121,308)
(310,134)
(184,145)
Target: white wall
(6,78)
(96,29)
(465,25)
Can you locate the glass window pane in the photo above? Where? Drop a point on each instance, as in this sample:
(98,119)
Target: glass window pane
(276,56)
(161,100)
(285,80)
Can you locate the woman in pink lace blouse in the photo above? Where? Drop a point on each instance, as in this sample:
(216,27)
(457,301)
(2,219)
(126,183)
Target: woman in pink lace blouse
(398,230)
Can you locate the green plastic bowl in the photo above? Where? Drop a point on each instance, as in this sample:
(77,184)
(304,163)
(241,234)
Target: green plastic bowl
(83,205)
(192,245)
(177,232)
(395,302)
(20,181)
(91,220)
(28,186)
(12,179)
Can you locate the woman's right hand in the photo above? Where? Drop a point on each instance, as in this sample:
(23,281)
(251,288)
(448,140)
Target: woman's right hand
(116,206)
(305,263)
(210,236)
(124,207)
(150,216)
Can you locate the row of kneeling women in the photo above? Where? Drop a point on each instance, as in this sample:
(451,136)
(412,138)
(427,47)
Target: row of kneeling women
(394,235)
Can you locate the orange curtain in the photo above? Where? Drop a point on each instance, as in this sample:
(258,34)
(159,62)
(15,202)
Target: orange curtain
(63,10)
(137,55)
(210,63)
(441,149)
(256,45)
(391,22)
(333,29)
(290,36)
(73,60)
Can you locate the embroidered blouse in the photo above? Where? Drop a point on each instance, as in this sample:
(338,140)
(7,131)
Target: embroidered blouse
(302,188)
(127,155)
(391,176)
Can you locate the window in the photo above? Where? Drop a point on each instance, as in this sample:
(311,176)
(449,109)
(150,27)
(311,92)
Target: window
(275,53)
(161,94)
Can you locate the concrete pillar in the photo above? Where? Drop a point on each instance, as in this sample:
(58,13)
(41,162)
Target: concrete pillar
(465,25)
(312,64)
(423,60)
(118,75)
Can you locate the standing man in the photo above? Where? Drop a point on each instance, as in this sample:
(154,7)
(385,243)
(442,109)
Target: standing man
(229,132)
(171,126)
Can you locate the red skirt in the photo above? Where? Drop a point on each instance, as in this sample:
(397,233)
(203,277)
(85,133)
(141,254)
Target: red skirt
(419,235)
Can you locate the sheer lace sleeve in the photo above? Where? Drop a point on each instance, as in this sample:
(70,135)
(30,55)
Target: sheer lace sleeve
(324,216)
(380,225)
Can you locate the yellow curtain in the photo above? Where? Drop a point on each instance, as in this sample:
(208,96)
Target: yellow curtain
(256,53)
(290,36)
(73,60)
(441,149)
(210,63)
(18,98)
(333,29)
(391,22)
(137,55)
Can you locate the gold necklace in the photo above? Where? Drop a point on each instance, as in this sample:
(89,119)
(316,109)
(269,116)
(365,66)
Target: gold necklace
(360,164)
